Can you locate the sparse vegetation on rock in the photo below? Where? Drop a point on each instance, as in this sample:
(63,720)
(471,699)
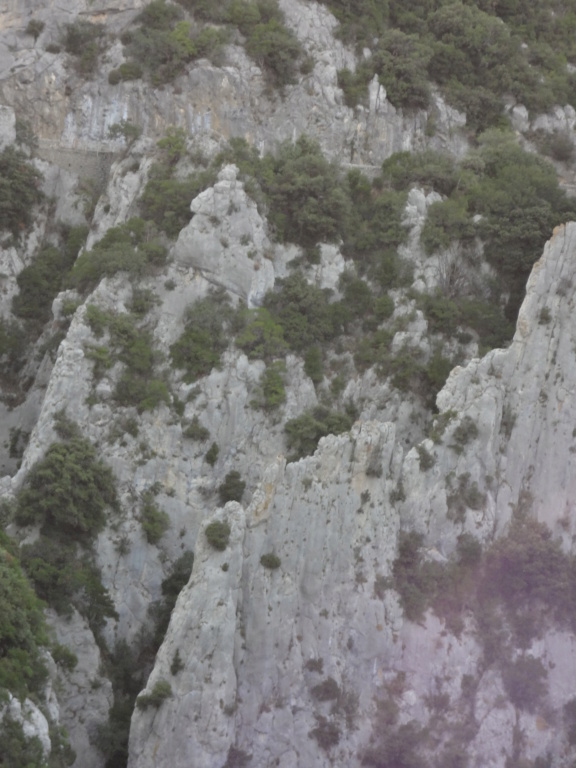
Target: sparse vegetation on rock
(218,534)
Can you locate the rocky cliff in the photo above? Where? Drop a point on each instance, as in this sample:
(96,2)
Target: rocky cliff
(346,615)
(258,645)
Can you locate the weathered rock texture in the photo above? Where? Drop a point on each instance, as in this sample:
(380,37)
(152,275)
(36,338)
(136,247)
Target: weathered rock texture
(230,100)
(255,642)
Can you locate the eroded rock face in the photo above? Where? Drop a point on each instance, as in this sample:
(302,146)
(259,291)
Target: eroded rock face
(84,694)
(251,667)
(226,240)
(69,113)
(255,642)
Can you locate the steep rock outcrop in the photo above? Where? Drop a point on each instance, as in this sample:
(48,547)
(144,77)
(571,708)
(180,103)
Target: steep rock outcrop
(226,240)
(69,113)
(320,640)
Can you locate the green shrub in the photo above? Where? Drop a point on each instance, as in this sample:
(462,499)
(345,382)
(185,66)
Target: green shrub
(22,631)
(155,522)
(130,247)
(172,585)
(195,353)
(435,374)
(20,191)
(307,201)
(525,682)
(232,489)
(85,41)
(355,85)
(177,664)
(447,315)
(18,749)
(383,308)
(417,582)
(426,459)
(441,312)
(55,571)
(161,691)
(114,77)
(469,550)
(518,221)
(205,337)
(397,746)
(356,295)
(237,758)
(81,34)
(196,431)
(406,369)
(276,49)
(271,561)
(374,228)
(65,578)
(173,145)
(313,364)
(429,169)
(400,62)
(476,52)
(446,222)
(165,44)
(487,320)
(303,312)
(34,28)
(166,200)
(327,690)
(304,432)
(326,733)
(126,129)
(262,337)
(129,70)
(465,496)
(143,300)
(528,565)
(465,432)
(12,346)
(212,454)
(133,346)
(218,535)
(561,147)
(68,490)
(64,657)
(133,389)
(374,350)
(41,281)
(272,383)
(544,316)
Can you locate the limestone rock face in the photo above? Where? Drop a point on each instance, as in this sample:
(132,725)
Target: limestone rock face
(232,255)
(291,641)
(85,696)
(70,114)
(255,661)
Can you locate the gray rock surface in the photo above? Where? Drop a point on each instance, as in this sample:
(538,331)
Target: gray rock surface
(226,240)
(256,642)
(246,681)
(7,126)
(231,100)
